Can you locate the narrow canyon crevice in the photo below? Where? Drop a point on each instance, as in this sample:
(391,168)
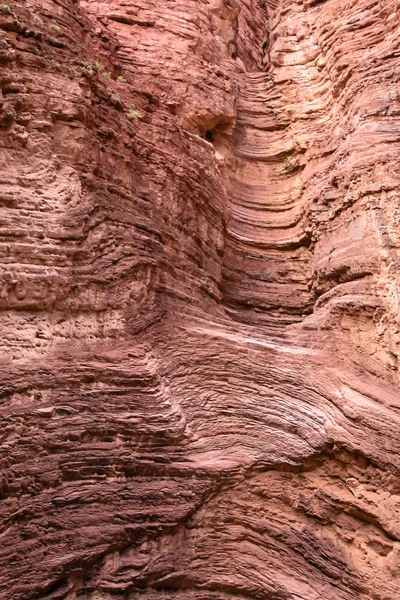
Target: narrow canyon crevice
(267,259)
(199,233)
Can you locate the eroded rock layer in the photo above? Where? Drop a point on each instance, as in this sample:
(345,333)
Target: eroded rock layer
(199,205)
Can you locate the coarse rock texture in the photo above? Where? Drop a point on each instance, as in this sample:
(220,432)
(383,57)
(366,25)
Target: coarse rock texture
(199,236)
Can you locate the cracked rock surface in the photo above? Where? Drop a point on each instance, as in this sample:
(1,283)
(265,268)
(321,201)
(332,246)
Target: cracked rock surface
(199,310)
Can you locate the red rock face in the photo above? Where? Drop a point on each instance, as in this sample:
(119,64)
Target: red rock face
(199,300)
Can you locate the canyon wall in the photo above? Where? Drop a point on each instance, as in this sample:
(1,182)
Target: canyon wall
(199,223)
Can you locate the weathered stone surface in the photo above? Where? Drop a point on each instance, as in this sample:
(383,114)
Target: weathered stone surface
(199,204)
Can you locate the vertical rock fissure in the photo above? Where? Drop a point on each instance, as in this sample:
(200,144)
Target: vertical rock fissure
(266,271)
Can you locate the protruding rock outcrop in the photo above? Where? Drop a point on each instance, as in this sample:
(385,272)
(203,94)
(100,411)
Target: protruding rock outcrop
(199,300)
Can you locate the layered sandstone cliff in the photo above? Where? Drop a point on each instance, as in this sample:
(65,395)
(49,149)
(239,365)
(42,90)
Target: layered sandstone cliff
(199,221)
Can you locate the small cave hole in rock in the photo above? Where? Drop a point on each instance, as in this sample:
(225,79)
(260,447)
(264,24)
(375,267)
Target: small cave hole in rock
(210,136)
(219,137)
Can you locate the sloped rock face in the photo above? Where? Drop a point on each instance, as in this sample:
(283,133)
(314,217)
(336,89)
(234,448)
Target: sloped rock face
(199,300)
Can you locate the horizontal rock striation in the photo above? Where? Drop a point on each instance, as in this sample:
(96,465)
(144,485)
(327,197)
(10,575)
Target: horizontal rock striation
(199,228)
